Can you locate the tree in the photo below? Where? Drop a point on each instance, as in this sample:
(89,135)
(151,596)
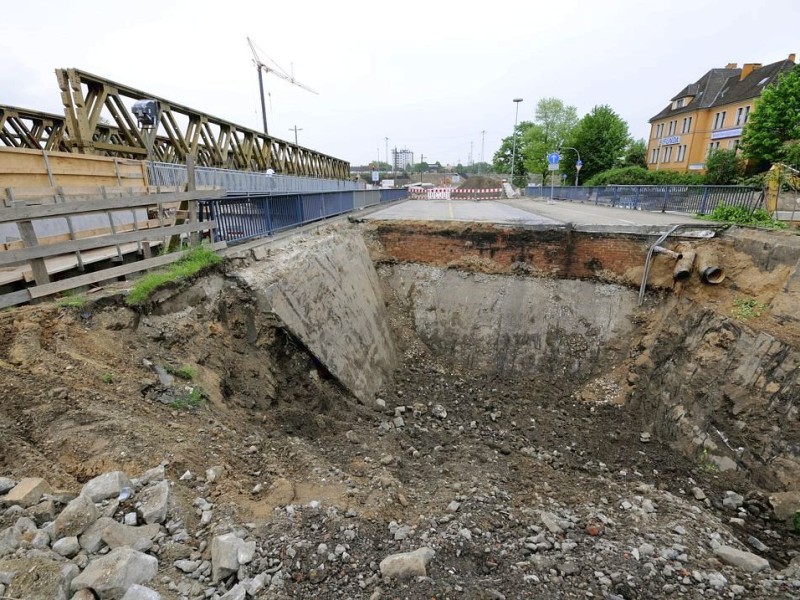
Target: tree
(502,158)
(635,154)
(723,167)
(553,124)
(420,167)
(775,122)
(601,138)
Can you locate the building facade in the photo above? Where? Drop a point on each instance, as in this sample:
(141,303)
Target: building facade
(709,114)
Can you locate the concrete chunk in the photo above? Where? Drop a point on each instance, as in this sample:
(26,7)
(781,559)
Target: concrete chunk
(9,540)
(67,547)
(139,592)
(111,576)
(154,503)
(107,485)
(228,553)
(27,492)
(116,535)
(6,484)
(92,538)
(747,561)
(406,565)
(75,518)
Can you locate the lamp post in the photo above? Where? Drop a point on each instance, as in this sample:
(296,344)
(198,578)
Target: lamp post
(578,164)
(514,142)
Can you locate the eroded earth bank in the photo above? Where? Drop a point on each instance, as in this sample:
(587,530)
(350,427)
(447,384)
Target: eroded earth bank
(494,402)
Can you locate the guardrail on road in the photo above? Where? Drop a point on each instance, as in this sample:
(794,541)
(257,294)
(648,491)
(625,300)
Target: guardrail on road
(691,199)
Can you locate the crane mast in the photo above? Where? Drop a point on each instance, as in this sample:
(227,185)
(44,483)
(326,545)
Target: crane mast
(261,68)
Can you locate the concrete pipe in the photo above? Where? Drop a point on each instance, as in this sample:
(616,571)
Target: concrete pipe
(668,252)
(708,267)
(683,268)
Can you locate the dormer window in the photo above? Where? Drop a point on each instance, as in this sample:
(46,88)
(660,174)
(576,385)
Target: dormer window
(679,103)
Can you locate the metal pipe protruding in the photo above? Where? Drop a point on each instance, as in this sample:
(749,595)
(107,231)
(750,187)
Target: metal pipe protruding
(668,252)
(708,267)
(683,268)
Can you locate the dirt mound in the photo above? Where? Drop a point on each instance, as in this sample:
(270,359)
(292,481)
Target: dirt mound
(480,182)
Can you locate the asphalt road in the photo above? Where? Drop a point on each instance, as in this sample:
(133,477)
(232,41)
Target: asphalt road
(525,211)
(487,211)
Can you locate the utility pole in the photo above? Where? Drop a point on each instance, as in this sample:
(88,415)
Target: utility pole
(483,139)
(471,160)
(295,129)
(387,150)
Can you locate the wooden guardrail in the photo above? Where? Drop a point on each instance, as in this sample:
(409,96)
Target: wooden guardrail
(24,212)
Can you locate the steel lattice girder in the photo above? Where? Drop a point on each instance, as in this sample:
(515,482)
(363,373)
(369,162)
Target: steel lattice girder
(23,128)
(181,132)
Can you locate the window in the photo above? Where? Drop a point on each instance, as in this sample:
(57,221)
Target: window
(667,154)
(733,145)
(713,146)
(654,155)
(719,120)
(672,126)
(742,114)
(681,153)
(679,103)
(659,130)
(687,124)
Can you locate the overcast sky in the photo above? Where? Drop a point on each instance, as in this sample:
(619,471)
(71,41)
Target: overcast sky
(430,76)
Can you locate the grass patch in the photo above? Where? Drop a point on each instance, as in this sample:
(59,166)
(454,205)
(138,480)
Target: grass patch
(748,308)
(184,372)
(72,301)
(187,266)
(739,215)
(192,398)
(108,378)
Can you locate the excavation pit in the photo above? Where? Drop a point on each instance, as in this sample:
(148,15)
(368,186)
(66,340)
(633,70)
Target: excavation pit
(495,394)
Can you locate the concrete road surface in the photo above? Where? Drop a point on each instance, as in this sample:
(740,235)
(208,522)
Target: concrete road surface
(526,211)
(487,211)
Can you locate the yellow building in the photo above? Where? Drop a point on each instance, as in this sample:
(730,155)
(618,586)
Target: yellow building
(708,114)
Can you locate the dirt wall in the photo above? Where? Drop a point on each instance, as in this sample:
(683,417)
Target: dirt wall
(500,324)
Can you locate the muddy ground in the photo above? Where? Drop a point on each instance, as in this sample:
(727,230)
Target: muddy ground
(475,466)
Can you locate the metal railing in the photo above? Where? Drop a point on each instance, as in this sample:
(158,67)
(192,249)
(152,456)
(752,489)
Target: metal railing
(169,175)
(691,199)
(240,217)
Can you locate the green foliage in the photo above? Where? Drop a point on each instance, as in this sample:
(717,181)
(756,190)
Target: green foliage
(635,154)
(601,137)
(642,176)
(775,121)
(192,398)
(71,300)
(184,372)
(723,167)
(108,378)
(740,215)
(554,123)
(502,158)
(747,308)
(194,261)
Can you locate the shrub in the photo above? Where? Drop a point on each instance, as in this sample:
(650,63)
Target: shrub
(741,215)
(642,176)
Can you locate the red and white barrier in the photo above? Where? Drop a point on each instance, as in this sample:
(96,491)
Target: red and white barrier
(477,194)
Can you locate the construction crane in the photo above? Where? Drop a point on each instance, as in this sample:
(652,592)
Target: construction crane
(278,72)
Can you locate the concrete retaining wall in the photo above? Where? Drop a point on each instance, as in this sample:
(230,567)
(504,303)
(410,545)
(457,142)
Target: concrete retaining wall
(326,291)
(506,323)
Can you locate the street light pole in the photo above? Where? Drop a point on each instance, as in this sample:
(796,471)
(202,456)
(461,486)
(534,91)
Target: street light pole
(295,129)
(514,142)
(578,165)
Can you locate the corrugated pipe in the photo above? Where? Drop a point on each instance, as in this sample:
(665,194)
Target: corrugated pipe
(708,267)
(683,268)
(668,252)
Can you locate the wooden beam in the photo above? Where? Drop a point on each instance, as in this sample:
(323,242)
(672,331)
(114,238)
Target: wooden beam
(67,284)
(13,298)
(11,257)
(21,213)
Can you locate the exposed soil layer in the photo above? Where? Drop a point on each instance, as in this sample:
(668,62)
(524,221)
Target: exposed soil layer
(525,485)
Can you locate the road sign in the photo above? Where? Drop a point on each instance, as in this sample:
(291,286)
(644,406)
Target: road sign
(578,165)
(553,158)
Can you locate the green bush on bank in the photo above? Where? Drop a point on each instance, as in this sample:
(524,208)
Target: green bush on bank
(642,176)
(740,215)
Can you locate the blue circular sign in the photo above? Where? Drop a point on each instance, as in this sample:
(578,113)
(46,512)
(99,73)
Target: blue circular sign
(553,158)
(579,164)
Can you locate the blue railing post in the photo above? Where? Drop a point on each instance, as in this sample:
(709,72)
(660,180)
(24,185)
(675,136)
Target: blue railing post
(704,201)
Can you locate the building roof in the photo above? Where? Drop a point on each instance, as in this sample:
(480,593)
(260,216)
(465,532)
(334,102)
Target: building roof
(723,86)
